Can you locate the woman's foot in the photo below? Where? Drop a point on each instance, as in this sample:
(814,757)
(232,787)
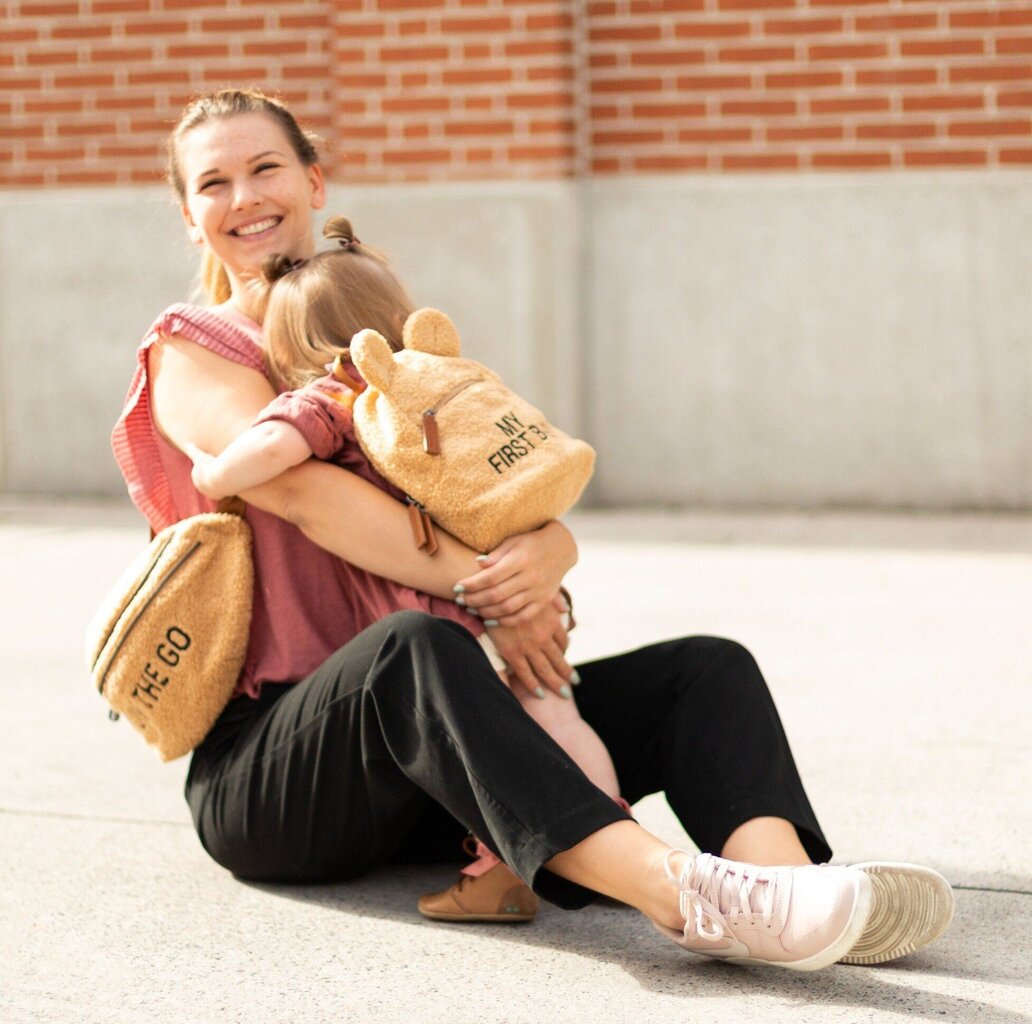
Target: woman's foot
(913,906)
(486,891)
(802,918)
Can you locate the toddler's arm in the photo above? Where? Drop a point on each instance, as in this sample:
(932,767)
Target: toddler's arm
(259,454)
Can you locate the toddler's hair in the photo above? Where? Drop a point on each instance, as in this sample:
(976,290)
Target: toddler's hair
(315,307)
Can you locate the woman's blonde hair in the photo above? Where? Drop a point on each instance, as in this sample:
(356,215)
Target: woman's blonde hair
(223,104)
(314,307)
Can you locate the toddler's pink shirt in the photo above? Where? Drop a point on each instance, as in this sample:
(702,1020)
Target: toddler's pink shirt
(307,602)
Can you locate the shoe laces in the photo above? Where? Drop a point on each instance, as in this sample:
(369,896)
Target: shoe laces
(715,892)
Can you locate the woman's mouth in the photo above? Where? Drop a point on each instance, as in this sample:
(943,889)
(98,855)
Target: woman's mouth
(255,228)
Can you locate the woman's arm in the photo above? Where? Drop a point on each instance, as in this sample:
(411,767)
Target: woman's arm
(202,399)
(254,457)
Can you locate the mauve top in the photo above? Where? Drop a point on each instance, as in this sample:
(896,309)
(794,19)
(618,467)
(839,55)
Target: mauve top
(307,602)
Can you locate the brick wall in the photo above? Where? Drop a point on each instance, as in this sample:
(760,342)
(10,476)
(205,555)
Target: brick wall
(453,89)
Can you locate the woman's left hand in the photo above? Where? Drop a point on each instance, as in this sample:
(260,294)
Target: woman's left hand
(521,576)
(535,650)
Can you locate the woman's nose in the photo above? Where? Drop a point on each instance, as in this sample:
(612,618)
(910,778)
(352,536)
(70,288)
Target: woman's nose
(244,195)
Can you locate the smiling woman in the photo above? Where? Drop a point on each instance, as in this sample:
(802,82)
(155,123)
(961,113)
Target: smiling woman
(368,725)
(243,170)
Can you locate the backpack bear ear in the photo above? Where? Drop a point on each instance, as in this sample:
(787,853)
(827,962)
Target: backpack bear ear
(373,357)
(430,330)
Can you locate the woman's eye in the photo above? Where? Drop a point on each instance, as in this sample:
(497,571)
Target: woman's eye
(208,184)
(265,167)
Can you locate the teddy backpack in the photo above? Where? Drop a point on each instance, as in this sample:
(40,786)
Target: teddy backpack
(470,454)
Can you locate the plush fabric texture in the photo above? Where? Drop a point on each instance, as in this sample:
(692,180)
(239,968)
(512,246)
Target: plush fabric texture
(501,467)
(168,643)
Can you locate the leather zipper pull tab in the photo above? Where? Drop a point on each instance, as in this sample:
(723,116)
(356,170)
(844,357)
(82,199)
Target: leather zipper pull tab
(431,534)
(416,520)
(431,439)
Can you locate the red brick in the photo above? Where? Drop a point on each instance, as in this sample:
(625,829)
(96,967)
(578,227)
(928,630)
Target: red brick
(315,72)
(56,153)
(418,27)
(481,76)
(849,51)
(1019,98)
(46,10)
(562,73)
(1016,155)
(21,131)
(123,102)
(665,110)
(605,165)
(621,85)
(850,161)
(367,131)
(541,152)
(127,152)
(989,19)
(849,105)
(665,6)
(1014,45)
(749,5)
(896,22)
(198,50)
(801,26)
(758,108)
(760,162)
(538,100)
(539,48)
(218,76)
(158,28)
(87,177)
(626,138)
(544,22)
(625,33)
(276,47)
(85,130)
(18,35)
(43,58)
(897,130)
(557,126)
(944,101)
(249,24)
(991,73)
(65,106)
(479,128)
(803,79)
(805,133)
(365,80)
(417,156)
(120,6)
(667,163)
(414,104)
(80,31)
(739,54)
(484,24)
(712,136)
(478,103)
(897,76)
(291,21)
(941,47)
(660,58)
(22,180)
(987,129)
(144,176)
(414,53)
(713,82)
(405,5)
(945,157)
(95,80)
(23,84)
(712,29)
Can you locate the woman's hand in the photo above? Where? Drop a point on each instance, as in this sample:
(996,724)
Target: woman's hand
(535,650)
(521,576)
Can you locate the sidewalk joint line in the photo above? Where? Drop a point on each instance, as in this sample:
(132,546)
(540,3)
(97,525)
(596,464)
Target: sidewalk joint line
(986,888)
(100,819)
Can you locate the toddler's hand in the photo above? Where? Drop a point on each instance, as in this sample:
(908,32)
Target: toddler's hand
(520,577)
(200,475)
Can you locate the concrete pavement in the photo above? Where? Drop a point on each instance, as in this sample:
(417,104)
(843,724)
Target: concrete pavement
(898,651)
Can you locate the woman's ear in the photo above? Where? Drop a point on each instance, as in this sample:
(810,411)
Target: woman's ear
(318,185)
(430,330)
(191,228)
(374,358)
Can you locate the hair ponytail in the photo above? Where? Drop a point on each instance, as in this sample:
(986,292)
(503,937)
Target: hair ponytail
(214,279)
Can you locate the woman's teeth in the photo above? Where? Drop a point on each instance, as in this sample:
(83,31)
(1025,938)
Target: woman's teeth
(254,229)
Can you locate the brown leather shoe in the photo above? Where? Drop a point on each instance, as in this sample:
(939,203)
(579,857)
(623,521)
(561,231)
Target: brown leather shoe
(495,895)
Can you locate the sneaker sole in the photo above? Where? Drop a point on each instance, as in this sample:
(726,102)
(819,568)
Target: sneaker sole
(478,918)
(913,906)
(863,907)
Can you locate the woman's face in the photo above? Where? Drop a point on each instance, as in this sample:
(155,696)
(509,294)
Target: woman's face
(247,193)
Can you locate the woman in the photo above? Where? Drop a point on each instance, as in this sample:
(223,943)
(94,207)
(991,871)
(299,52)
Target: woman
(332,761)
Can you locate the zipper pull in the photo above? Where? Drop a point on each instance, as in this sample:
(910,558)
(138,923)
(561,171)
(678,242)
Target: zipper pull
(431,535)
(416,521)
(431,439)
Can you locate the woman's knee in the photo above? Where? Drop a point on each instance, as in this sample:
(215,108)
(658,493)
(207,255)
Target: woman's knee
(411,627)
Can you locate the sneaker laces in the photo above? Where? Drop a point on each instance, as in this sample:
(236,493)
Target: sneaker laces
(714,891)
(484,858)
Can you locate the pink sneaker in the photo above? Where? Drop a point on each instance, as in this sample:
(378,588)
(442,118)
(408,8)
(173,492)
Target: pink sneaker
(802,918)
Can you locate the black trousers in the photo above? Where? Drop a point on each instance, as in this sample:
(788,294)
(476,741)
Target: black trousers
(405,739)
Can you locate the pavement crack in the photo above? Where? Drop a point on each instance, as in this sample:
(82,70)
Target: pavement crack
(98,818)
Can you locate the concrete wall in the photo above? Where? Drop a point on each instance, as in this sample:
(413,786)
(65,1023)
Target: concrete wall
(814,340)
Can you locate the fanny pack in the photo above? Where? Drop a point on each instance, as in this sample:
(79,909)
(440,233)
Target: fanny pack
(166,646)
(470,453)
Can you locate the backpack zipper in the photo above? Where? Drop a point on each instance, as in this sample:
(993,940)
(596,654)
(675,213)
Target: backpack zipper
(431,437)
